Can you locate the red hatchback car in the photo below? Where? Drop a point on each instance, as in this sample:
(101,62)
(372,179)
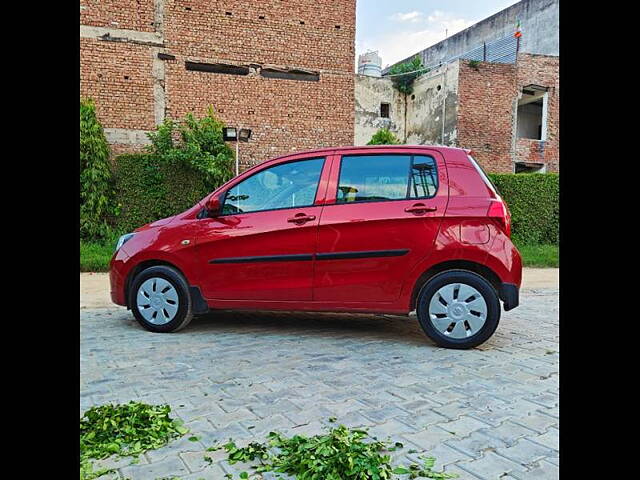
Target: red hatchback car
(384,229)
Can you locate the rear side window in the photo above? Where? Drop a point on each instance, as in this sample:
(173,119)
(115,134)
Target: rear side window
(370,178)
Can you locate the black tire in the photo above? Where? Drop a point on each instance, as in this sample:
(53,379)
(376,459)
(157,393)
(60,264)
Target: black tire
(183,315)
(474,280)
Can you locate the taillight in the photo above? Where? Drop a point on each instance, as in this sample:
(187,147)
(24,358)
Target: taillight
(498,210)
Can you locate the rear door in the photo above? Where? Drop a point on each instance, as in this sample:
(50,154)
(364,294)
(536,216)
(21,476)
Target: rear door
(382,213)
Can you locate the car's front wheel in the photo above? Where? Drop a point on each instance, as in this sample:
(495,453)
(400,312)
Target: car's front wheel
(458,309)
(160,299)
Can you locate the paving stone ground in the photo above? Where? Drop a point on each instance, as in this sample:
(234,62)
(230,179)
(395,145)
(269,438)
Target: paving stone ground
(486,413)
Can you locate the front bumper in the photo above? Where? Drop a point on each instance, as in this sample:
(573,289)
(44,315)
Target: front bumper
(509,293)
(117,277)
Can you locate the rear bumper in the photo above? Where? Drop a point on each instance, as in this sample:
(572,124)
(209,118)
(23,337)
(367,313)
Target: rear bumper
(509,293)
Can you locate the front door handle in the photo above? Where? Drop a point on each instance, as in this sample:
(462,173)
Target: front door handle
(420,208)
(301,218)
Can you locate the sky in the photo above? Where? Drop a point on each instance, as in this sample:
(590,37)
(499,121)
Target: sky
(398,29)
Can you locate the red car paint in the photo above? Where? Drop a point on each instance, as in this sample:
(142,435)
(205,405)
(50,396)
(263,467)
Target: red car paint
(465,224)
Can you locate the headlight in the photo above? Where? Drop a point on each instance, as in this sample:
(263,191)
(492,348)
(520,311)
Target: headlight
(123,239)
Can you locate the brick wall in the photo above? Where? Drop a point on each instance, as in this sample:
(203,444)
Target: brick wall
(208,31)
(123,14)
(487,102)
(285,115)
(541,70)
(485,113)
(118,77)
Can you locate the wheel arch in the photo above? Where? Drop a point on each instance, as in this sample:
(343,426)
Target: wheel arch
(482,270)
(143,266)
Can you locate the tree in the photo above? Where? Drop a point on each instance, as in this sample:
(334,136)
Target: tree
(383,137)
(97,205)
(404,83)
(201,146)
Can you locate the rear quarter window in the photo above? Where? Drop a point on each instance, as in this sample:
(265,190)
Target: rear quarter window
(483,175)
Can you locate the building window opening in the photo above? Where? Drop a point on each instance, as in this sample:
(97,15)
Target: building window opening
(293,74)
(529,167)
(217,68)
(384,110)
(532,114)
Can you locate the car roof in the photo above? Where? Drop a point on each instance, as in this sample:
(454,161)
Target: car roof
(400,147)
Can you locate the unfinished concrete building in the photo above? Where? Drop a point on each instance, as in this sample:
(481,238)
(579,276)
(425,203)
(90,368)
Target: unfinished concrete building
(497,98)
(283,69)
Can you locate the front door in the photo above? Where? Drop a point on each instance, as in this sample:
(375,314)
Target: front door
(262,246)
(383,218)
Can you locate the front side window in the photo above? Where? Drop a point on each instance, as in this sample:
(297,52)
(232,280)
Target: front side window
(288,185)
(367,178)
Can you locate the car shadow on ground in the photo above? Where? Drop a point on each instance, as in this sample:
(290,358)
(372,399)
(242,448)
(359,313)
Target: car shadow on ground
(360,327)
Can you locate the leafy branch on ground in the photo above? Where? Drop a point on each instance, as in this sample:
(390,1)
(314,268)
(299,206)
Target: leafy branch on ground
(340,454)
(124,430)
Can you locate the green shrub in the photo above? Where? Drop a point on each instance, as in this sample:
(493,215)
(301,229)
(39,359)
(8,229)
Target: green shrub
(97,207)
(383,137)
(404,83)
(475,64)
(173,175)
(201,147)
(149,189)
(533,200)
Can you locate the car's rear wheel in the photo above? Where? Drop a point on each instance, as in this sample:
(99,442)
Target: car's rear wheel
(160,299)
(458,309)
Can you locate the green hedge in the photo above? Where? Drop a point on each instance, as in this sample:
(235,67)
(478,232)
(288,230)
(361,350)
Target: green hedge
(533,200)
(147,190)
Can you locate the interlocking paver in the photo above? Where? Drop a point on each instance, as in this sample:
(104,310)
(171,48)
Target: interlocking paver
(443,454)
(423,419)
(507,432)
(183,444)
(535,421)
(390,428)
(544,471)
(525,452)
(428,438)
(549,439)
(197,461)
(168,467)
(463,426)
(476,444)
(491,467)
(274,422)
(228,372)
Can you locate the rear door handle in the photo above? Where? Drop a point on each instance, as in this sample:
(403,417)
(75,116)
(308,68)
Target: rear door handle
(300,218)
(420,208)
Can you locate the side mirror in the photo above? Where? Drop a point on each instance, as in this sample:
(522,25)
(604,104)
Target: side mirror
(213,206)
